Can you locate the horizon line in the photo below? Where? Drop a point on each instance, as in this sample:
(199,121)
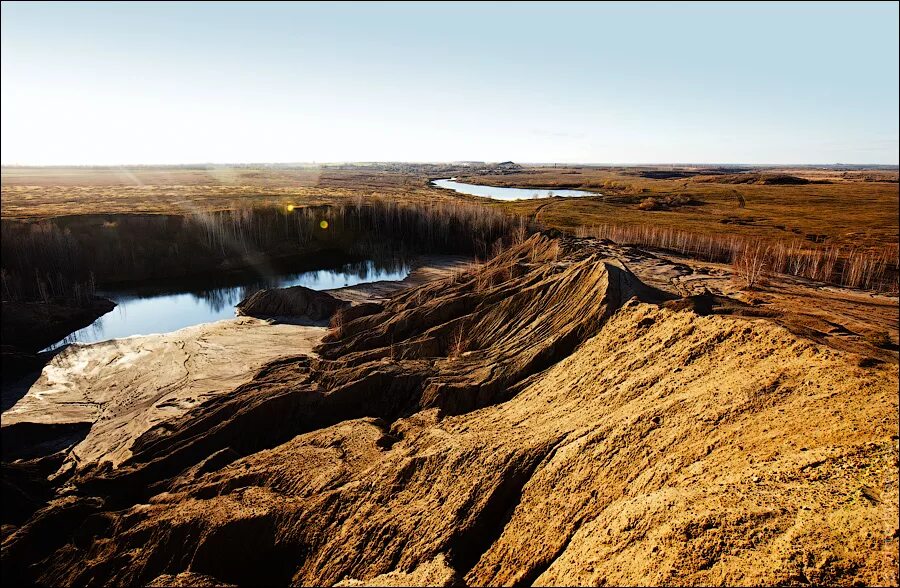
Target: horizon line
(442,162)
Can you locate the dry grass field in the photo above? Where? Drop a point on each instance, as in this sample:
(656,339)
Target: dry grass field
(858,207)
(50,192)
(838,207)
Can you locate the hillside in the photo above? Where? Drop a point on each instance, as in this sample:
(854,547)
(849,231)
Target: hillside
(562,415)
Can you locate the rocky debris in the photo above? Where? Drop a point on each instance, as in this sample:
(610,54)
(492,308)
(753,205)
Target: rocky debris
(543,420)
(293,302)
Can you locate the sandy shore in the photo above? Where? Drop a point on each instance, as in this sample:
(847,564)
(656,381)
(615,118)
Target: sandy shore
(126,386)
(123,387)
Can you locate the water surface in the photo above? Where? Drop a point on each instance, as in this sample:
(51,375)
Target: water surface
(508,193)
(146,312)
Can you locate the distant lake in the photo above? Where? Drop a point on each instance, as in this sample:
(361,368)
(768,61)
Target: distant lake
(508,193)
(146,312)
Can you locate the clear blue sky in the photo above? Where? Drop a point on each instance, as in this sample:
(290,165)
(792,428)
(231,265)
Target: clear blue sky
(86,83)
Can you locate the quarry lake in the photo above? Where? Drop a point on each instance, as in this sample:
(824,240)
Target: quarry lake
(162,309)
(498,193)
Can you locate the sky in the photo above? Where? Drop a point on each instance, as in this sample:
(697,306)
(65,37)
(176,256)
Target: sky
(169,83)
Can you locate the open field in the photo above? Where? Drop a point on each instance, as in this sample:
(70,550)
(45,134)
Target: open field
(833,225)
(49,192)
(858,206)
(44,192)
(836,207)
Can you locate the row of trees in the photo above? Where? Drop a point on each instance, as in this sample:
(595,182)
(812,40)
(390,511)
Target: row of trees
(67,258)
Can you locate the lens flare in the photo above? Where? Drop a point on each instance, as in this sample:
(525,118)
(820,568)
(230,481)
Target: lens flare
(324,224)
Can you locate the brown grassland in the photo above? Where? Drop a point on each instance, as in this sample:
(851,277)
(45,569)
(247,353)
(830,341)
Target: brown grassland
(845,207)
(55,192)
(858,208)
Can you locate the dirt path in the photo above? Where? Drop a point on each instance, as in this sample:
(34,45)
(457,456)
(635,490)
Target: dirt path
(536,217)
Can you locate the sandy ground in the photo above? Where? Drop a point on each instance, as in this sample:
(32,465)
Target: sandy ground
(126,386)
(660,447)
(428,268)
(857,321)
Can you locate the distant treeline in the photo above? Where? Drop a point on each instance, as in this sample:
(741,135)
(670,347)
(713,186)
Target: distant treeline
(67,258)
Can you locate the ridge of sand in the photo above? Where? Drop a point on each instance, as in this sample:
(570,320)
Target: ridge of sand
(545,419)
(124,387)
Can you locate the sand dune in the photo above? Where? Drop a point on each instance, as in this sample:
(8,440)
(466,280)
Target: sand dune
(558,416)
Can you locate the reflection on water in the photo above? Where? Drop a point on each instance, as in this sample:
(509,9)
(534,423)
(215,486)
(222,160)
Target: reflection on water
(508,193)
(142,312)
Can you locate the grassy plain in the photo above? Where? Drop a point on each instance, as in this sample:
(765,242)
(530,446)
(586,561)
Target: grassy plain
(50,192)
(855,207)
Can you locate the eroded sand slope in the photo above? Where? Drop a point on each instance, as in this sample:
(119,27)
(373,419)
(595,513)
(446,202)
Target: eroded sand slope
(547,419)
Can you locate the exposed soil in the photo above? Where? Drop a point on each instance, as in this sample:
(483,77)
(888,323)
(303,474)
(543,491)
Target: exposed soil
(289,302)
(125,386)
(570,413)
